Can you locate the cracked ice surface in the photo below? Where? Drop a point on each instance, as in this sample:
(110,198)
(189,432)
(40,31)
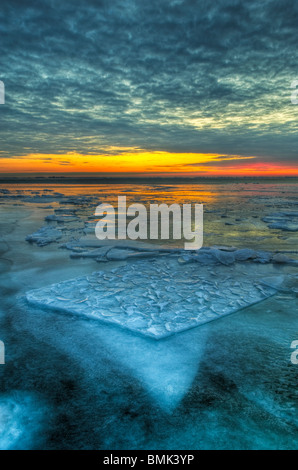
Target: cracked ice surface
(156,298)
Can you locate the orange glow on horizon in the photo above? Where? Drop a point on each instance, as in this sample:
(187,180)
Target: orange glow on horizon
(138,163)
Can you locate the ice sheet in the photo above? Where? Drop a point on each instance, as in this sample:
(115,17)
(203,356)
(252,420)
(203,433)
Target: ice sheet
(45,235)
(21,420)
(155,298)
(287,221)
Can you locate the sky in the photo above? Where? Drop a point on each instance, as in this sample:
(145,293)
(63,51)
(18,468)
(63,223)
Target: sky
(139,87)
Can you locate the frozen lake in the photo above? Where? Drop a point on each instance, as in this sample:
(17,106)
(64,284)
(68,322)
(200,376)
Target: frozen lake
(75,381)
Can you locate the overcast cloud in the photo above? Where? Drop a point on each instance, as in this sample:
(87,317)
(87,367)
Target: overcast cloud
(172,75)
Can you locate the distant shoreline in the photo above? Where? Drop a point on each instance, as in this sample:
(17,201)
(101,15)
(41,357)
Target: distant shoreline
(139,180)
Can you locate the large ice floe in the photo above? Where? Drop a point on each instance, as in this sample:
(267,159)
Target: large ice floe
(161,296)
(44,236)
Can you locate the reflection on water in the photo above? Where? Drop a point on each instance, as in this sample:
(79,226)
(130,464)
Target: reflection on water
(233,212)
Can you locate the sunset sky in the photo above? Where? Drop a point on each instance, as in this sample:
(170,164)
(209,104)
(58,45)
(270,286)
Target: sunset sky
(164,87)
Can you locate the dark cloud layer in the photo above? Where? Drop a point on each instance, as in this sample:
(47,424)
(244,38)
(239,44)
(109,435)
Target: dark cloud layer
(174,75)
